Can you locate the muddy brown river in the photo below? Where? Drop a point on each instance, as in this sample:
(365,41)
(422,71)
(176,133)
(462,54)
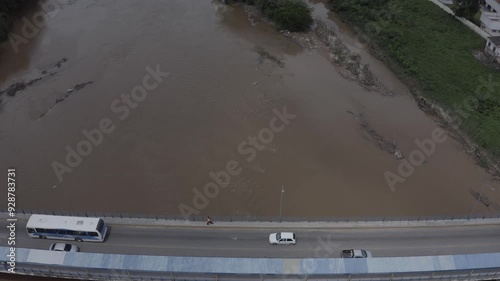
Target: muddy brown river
(184,89)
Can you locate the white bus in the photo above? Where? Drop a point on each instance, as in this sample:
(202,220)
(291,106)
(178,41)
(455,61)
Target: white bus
(66,228)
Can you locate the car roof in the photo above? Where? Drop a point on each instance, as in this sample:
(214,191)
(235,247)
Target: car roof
(358,253)
(59,246)
(286,235)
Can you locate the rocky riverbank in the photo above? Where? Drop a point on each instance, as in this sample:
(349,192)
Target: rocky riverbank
(348,64)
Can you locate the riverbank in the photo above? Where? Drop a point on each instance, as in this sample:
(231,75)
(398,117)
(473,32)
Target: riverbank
(347,64)
(433,54)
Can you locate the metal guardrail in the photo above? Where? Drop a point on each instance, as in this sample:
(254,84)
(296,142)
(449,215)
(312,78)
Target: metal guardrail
(255,218)
(103,274)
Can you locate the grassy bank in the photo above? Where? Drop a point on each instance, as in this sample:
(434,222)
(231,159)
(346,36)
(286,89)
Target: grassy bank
(432,52)
(8,10)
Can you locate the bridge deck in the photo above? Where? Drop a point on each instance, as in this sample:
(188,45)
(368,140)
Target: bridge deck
(256,265)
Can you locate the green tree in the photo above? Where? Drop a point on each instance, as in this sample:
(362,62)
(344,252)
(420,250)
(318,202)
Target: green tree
(466,8)
(292,15)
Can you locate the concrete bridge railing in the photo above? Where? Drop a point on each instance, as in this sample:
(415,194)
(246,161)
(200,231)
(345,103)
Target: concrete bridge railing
(259,218)
(92,266)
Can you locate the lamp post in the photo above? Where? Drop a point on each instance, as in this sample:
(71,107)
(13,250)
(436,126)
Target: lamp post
(281,200)
(479,197)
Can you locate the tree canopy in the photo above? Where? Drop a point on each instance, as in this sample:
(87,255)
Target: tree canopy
(466,8)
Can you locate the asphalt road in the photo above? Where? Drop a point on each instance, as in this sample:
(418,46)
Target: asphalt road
(314,243)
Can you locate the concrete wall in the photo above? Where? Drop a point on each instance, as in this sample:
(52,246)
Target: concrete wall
(469,24)
(243,266)
(491,49)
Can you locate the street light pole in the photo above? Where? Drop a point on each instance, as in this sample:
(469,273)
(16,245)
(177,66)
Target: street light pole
(479,197)
(281,200)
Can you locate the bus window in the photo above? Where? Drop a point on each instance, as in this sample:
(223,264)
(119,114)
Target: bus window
(50,231)
(61,231)
(31,230)
(100,226)
(40,230)
(92,233)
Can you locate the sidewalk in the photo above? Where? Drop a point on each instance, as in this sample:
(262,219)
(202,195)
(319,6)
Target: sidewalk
(301,225)
(287,225)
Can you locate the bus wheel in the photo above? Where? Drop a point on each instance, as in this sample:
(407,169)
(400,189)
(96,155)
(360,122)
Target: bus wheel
(78,240)
(43,237)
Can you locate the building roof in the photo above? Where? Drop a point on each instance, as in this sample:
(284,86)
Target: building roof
(62,222)
(495,40)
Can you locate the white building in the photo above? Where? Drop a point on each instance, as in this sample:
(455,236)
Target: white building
(490,17)
(493,46)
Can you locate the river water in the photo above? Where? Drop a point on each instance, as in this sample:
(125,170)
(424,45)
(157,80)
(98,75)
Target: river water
(220,91)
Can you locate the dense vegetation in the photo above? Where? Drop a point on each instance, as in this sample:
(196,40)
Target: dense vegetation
(7,10)
(466,8)
(291,15)
(432,52)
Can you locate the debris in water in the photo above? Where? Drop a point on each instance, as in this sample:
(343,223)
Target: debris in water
(480,198)
(263,54)
(16,87)
(397,152)
(69,92)
(376,138)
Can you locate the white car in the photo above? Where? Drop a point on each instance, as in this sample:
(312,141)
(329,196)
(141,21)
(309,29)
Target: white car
(355,254)
(63,247)
(282,238)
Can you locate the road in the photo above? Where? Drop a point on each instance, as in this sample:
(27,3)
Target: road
(313,243)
